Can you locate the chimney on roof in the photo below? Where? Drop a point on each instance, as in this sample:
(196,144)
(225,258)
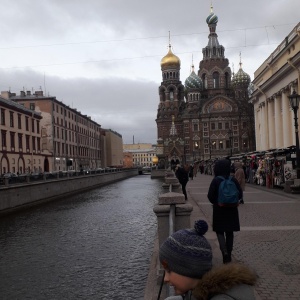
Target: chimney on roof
(22,94)
(39,93)
(28,93)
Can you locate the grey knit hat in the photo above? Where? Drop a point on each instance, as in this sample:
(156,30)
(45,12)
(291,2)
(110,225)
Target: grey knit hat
(187,252)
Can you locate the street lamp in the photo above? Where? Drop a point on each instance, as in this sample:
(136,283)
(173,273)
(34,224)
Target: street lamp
(294,103)
(230,140)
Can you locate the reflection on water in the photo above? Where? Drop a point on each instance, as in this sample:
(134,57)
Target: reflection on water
(96,245)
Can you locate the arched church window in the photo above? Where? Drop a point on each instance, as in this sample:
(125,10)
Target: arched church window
(216,80)
(171,94)
(226,80)
(204,80)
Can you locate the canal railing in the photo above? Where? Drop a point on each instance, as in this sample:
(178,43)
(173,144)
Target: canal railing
(173,213)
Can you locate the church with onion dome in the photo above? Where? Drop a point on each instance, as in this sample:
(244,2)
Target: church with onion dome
(210,115)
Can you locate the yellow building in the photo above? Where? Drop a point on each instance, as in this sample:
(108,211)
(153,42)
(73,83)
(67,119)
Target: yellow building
(113,149)
(273,83)
(142,154)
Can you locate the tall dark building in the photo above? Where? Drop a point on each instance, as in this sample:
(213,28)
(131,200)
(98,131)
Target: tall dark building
(208,117)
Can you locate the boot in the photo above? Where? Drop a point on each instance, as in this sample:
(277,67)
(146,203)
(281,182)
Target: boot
(226,257)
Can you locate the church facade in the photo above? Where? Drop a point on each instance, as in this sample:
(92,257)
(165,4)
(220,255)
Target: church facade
(210,115)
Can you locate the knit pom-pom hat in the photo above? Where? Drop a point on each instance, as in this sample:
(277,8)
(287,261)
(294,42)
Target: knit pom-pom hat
(187,252)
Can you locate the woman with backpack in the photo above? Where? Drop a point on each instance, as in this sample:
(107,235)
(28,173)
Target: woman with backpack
(225,217)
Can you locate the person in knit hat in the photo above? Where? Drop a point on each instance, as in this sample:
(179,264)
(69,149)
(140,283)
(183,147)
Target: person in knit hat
(186,256)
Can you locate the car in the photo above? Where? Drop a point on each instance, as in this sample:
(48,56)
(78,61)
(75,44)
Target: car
(9,175)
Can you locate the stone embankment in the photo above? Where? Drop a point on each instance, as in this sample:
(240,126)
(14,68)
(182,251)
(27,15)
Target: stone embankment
(20,196)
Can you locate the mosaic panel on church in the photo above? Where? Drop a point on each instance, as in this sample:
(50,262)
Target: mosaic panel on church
(219,105)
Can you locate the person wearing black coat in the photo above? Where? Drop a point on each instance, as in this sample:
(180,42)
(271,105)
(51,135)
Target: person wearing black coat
(225,219)
(183,178)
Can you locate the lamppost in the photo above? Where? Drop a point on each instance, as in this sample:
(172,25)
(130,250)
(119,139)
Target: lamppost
(294,103)
(230,140)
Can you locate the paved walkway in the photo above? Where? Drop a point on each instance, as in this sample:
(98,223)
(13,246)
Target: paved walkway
(269,240)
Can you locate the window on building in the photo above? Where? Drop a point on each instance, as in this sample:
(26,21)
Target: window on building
(216,80)
(214,145)
(38,144)
(11,119)
(219,125)
(33,143)
(196,127)
(221,145)
(32,106)
(3,138)
(26,124)
(12,140)
(27,143)
(32,125)
(244,125)
(212,126)
(38,126)
(19,121)
(204,80)
(20,141)
(226,125)
(227,80)
(2,116)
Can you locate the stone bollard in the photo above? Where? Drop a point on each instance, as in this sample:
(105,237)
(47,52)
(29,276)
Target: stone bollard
(6,181)
(183,212)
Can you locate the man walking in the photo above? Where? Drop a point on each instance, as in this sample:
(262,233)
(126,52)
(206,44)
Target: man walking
(183,178)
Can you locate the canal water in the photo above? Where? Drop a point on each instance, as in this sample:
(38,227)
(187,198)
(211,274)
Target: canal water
(95,245)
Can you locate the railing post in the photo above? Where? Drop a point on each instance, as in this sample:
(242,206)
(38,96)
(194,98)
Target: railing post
(173,213)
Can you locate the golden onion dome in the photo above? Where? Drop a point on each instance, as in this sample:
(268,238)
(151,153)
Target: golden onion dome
(170,60)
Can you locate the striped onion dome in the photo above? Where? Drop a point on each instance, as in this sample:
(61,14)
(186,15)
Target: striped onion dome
(212,19)
(240,79)
(193,81)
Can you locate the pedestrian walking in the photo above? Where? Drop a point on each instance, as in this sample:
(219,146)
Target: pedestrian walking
(191,172)
(225,218)
(240,177)
(183,178)
(186,256)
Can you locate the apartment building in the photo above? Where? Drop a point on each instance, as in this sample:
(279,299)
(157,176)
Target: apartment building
(20,129)
(112,149)
(72,140)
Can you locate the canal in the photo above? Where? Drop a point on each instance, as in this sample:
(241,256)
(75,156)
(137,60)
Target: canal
(95,245)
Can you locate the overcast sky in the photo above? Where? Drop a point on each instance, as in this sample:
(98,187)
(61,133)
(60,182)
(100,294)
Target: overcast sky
(103,56)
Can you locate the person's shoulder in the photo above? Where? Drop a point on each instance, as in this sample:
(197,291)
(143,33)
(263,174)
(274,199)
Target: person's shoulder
(174,298)
(240,291)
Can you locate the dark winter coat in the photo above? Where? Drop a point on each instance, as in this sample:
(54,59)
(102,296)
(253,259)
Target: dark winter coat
(230,281)
(182,175)
(224,218)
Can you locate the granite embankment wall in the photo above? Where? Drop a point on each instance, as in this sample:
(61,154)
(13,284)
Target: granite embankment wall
(20,196)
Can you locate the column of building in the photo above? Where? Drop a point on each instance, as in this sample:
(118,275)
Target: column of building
(278,121)
(271,123)
(286,117)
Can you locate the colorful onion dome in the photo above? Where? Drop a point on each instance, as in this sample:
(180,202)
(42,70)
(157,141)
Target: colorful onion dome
(193,81)
(240,79)
(212,19)
(170,60)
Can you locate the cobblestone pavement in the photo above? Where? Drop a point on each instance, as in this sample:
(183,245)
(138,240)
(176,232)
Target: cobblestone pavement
(269,240)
